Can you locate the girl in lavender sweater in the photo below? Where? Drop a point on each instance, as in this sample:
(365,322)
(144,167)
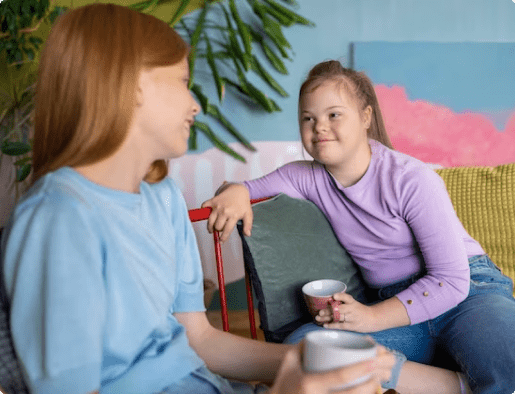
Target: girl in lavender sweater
(431,285)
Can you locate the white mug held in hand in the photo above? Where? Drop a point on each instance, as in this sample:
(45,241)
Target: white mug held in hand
(325,350)
(319,295)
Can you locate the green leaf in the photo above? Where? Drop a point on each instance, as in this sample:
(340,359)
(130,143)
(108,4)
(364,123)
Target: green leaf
(194,41)
(139,6)
(15,6)
(234,45)
(30,53)
(281,18)
(242,28)
(185,27)
(260,97)
(289,13)
(211,61)
(274,59)
(150,6)
(23,172)
(20,162)
(222,55)
(217,142)
(43,7)
(240,88)
(56,12)
(11,21)
(214,112)
(36,41)
(18,55)
(256,66)
(204,101)
(192,141)
(180,10)
(15,148)
(273,30)
(199,27)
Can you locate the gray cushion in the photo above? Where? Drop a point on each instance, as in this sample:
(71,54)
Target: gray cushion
(11,378)
(292,243)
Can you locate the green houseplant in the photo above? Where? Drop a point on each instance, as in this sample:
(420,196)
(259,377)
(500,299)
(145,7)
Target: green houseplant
(226,38)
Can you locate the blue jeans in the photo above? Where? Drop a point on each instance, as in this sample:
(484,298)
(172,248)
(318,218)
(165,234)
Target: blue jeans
(477,336)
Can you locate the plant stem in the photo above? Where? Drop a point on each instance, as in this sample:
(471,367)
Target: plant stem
(27,30)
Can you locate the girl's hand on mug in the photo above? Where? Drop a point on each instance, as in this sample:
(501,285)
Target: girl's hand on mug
(354,316)
(292,379)
(230,205)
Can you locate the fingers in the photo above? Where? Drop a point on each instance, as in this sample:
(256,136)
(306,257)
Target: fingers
(248,218)
(344,297)
(341,377)
(227,229)
(325,315)
(371,386)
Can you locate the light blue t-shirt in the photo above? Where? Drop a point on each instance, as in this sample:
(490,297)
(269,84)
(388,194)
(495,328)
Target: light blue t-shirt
(94,276)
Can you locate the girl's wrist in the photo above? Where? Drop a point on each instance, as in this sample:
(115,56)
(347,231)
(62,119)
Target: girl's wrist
(224,187)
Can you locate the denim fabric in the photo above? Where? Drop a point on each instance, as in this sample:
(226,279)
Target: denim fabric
(477,336)
(204,381)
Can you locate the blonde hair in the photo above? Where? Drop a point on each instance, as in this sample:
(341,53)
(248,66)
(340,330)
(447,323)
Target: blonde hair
(87,80)
(358,85)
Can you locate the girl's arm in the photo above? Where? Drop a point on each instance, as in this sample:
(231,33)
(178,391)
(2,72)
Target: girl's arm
(247,359)
(428,211)
(229,355)
(232,200)
(440,237)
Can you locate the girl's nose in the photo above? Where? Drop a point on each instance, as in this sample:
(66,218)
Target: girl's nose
(320,126)
(196,107)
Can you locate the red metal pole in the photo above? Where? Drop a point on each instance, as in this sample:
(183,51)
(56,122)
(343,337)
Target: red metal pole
(250,306)
(221,281)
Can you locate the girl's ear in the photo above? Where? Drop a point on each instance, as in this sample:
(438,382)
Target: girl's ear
(144,81)
(367,116)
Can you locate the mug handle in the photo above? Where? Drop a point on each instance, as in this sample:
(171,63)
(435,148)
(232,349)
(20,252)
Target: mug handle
(336,311)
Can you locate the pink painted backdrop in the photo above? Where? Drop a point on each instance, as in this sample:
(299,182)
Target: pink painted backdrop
(436,134)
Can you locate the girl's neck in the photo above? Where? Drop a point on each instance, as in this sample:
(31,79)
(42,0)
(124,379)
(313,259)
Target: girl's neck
(121,171)
(350,172)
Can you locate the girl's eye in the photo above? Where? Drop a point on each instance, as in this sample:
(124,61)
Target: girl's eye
(334,115)
(306,118)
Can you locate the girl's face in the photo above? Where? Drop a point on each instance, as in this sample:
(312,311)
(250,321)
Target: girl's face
(167,110)
(332,129)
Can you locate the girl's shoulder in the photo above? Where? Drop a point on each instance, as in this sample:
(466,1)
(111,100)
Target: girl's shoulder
(401,165)
(53,192)
(300,167)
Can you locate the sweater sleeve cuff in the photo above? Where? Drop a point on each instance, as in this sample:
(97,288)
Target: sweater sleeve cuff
(429,297)
(414,305)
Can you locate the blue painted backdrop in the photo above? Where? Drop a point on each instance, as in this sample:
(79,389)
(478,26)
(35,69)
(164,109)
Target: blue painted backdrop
(340,22)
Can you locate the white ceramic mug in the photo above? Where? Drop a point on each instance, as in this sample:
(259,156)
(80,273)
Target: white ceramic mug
(319,295)
(325,350)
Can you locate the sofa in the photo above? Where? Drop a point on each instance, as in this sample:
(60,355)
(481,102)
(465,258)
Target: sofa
(483,197)
(292,243)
